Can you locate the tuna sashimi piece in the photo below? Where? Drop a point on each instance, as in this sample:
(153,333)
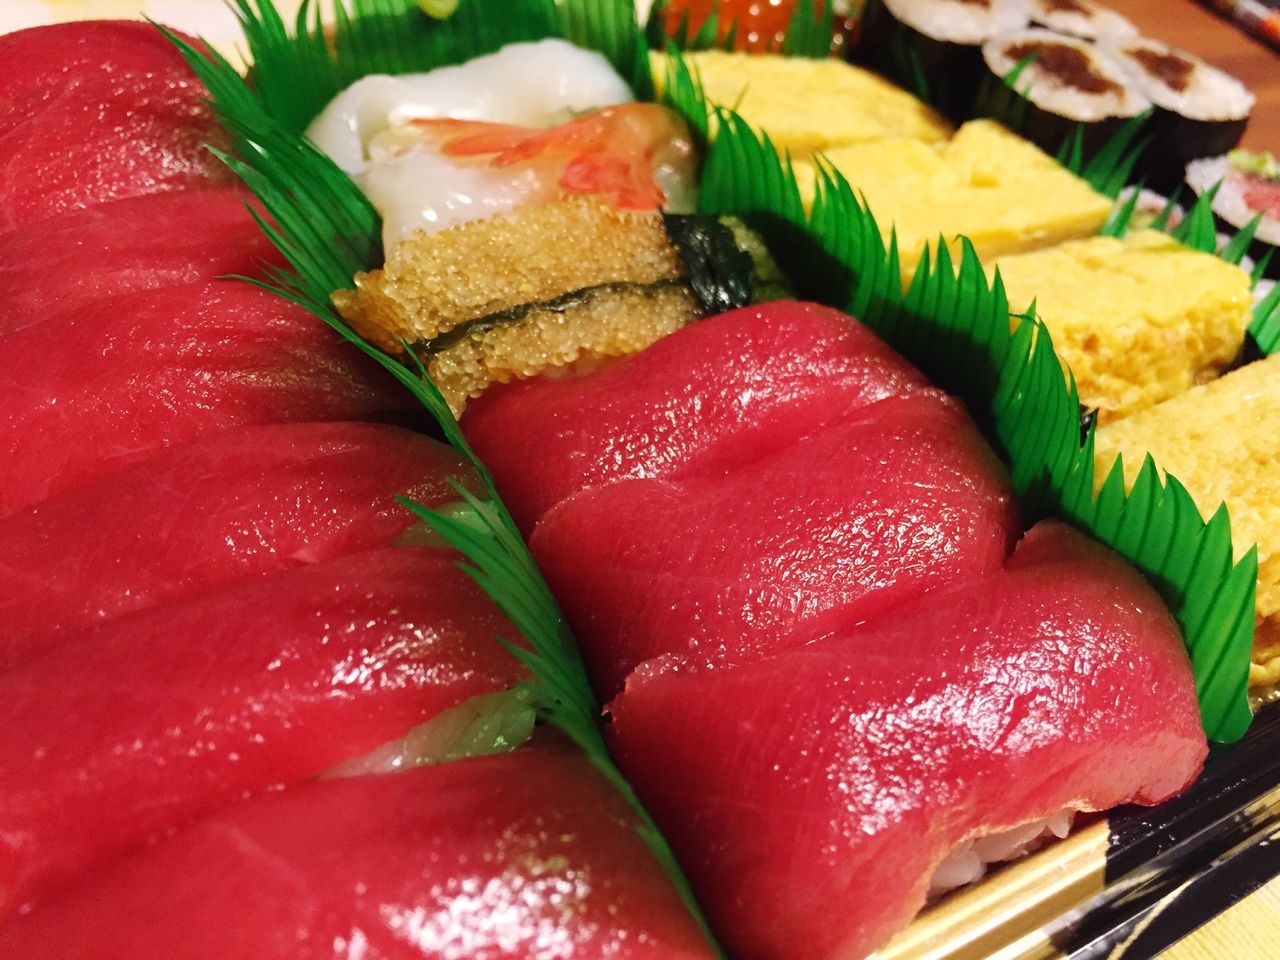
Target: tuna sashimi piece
(106,386)
(173,711)
(98,111)
(238,503)
(715,395)
(903,497)
(114,248)
(525,856)
(826,784)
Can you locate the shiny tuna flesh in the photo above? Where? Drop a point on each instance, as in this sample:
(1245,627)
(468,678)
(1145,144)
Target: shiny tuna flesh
(99,111)
(716,395)
(824,785)
(903,497)
(527,856)
(171,712)
(143,243)
(121,378)
(239,503)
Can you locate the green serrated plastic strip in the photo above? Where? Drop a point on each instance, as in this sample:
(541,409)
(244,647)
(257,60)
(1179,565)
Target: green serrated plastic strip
(954,324)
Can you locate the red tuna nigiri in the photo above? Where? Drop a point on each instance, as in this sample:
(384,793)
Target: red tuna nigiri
(109,249)
(903,497)
(238,503)
(118,379)
(98,111)
(715,395)
(173,711)
(526,856)
(825,785)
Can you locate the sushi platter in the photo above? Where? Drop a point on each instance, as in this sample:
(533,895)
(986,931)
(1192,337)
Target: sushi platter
(581,479)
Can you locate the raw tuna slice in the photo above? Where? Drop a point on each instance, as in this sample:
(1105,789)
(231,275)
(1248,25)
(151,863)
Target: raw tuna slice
(173,711)
(238,503)
(525,856)
(717,394)
(826,784)
(110,249)
(106,386)
(901,498)
(98,111)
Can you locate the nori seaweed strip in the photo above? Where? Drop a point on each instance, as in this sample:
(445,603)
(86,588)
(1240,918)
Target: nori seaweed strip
(517,314)
(721,274)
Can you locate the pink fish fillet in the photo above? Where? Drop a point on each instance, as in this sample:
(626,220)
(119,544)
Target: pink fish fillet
(236,504)
(717,394)
(903,497)
(526,856)
(120,378)
(824,785)
(98,111)
(180,709)
(109,249)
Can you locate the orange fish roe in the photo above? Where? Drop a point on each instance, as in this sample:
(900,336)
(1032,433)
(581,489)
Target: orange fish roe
(617,153)
(760,24)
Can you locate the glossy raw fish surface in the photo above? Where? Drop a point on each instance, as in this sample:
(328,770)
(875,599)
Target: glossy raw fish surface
(118,379)
(903,497)
(236,504)
(528,856)
(824,785)
(719,393)
(177,710)
(98,111)
(109,249)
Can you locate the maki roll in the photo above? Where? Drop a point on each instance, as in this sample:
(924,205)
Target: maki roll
(1061,82)
(1080,18)
(1247,188)
(916,41)
(1200,111)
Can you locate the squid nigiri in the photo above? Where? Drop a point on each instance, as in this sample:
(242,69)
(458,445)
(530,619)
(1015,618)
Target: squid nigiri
(827,784)
(235,504)
(528,856)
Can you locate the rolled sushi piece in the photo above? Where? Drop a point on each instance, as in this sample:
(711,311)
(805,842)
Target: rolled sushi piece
(110,249)
(1249,189)
(169,713)
(1201,111)
(234,504)
(934,47)
(97,111)
(1080,18)
(527,855)
(826,786)
(121,378)
(1064,83)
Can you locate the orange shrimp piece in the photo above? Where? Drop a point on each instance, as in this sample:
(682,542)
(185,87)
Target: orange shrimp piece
(611,152)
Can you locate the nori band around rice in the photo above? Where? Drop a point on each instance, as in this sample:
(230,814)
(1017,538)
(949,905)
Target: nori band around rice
(1201,111)
(1080,18)
(1061,82)
(932,47)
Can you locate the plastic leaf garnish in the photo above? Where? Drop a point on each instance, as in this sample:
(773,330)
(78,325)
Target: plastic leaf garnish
(1265,328)
(1111,168)
(1122,214)
(327,231)
(954,323)
(298,69)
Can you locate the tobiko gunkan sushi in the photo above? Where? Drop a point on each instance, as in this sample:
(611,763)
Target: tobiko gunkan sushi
(274,670)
